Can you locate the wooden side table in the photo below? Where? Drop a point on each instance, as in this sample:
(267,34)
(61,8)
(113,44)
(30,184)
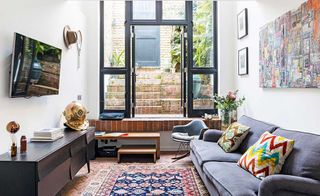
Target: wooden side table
(135,136)
(213,124)
(135,149)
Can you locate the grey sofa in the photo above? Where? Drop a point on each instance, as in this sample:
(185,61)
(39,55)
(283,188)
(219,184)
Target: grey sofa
(218,170)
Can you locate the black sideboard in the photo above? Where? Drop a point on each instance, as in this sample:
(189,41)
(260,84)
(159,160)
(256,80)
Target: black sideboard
(46,167)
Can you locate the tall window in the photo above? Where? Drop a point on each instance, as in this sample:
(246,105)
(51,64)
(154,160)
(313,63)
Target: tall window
(204,71)
(113,72)
(158,57)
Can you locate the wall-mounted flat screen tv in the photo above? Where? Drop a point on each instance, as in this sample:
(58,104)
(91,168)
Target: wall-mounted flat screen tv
(35,69)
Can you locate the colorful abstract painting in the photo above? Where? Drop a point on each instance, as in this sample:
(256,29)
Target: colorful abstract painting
(290,49)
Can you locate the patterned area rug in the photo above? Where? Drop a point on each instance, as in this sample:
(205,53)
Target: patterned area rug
(146,180)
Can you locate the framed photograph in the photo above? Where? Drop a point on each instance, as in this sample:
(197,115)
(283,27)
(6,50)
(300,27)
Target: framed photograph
(243,64)
(243,24)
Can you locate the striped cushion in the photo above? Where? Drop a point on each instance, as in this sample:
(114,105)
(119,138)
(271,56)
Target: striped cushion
(267,155)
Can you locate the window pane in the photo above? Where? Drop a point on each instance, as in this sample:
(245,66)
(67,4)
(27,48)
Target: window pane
(174,10)
(114,92)
(203,91)
(203,34)
(114,33)
(144,10)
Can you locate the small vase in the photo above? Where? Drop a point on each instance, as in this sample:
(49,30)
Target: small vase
(225,116)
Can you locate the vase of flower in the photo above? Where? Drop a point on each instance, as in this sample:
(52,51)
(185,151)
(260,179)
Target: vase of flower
(225,117)
(228,107)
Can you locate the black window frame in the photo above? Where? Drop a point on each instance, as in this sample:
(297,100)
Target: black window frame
(206,70)
(191,70)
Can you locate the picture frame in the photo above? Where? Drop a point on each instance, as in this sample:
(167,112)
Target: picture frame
(243,61)
(242,24)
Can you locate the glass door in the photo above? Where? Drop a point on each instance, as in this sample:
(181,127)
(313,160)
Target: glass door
(158,63)
(158,58)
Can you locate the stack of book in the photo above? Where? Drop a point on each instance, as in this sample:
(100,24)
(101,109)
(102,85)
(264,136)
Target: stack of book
(47,135)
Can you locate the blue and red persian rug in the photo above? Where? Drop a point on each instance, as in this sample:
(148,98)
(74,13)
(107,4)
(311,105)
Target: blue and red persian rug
(146,180)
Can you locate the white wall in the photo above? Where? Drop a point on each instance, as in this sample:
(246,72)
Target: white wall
(296,109)
(42,20)
(227,46)
(92,13)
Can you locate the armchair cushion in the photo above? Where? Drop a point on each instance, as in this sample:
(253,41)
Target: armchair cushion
(212,135)
(211,151)
(289,185)
(183,137)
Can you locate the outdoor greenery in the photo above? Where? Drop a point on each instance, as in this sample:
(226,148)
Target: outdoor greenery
(202,33)
(117,59)
(202,36)
(176,48)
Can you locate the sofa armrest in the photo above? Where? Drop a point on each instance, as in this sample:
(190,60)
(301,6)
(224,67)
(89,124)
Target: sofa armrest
(293,185)
(212,135)
(202,133)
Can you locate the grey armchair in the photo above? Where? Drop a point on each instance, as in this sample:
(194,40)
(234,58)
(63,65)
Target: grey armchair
(183,134)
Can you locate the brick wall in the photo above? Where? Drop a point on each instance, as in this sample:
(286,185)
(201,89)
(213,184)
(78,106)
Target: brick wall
(147,125)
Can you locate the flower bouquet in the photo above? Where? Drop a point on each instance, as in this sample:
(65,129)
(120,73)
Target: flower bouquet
(227,105)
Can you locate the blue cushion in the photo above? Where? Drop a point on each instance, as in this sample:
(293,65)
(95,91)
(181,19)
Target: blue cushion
(257,128)
(211,151)
(111,116)
(230,178)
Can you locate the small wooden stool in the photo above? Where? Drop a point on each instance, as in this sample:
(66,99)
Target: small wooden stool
(150,149)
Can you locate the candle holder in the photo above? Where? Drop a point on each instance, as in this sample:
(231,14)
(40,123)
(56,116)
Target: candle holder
(13,127)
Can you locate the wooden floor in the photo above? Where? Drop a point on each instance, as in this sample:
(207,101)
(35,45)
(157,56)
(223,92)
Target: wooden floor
(78,184)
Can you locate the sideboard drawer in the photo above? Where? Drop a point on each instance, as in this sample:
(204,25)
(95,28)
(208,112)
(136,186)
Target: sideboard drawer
(78,145)
(90,136)
(49,163)
(57,178)
(77,161)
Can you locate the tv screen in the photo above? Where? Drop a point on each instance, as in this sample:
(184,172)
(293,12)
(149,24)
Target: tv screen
(35,69)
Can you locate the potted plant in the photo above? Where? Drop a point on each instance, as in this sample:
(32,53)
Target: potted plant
(227,105)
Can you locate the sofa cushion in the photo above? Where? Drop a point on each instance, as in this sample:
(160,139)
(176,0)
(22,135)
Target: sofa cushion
(211,151)
(267,155)
(257,128)
(304,159)
(233,136)
(228,177)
